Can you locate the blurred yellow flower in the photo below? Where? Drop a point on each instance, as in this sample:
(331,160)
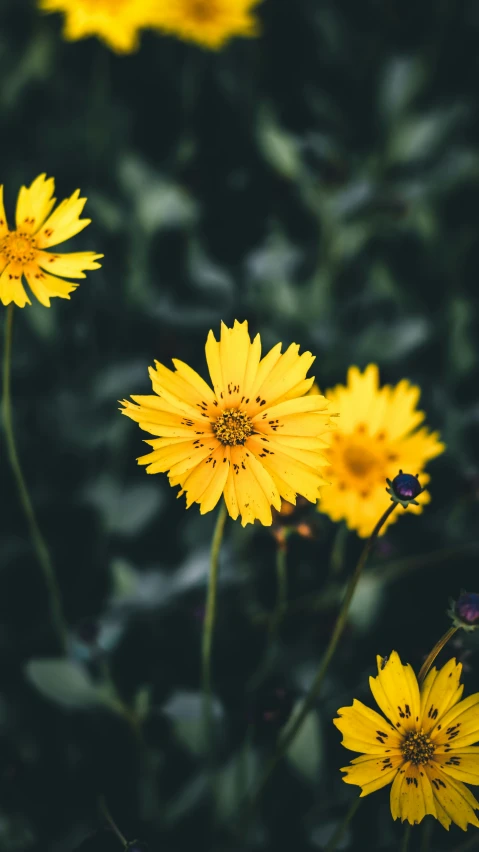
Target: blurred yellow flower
(209,23)
(116,22)
(22,251)
(378,434)
(255,438)
(424,746)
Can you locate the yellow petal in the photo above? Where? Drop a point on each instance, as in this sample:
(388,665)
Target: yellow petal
(233,352)
(462,763)
(68,265)
(456,800)
(173,388)
(3,218)
(212,351)
(397,693)
(290,475)
(264,369)
(289,370)
(372,773)
(63,223)
(178,457)
(459,727)
(252,365)
(34,204)
(412,796)
(199,481)
(365,730)
(45,286)
(191,376)
(440,691)
(250,496)
(11,287)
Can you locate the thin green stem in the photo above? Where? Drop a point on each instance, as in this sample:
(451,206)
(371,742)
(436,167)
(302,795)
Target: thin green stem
(427,827)
(292,729)
(336,561)
(343,825)
(111,822)
(39,544)
(405,837)
(435,651)
(209,622)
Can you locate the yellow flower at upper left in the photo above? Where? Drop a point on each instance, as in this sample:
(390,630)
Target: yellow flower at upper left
(115,22)
(22,251)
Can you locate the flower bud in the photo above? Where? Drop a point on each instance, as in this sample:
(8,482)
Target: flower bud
(404,488)
(465,611)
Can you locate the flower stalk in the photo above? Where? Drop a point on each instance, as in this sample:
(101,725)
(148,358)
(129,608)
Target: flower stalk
(209,622)
(291,731)
(38,542)
(338,834)
(434,653)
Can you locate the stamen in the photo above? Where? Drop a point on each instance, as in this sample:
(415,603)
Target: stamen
(233,427)
(417,747)
(18,246)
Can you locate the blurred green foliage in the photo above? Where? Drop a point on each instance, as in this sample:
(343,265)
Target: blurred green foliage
(323,183)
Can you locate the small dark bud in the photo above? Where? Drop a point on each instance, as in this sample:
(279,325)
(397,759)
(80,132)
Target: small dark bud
(465,611)
(404,488)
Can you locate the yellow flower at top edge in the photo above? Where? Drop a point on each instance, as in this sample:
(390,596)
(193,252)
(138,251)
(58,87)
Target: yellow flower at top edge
(116,22)
(424,746)
(23,252)
(255,438)
(377,436)
(209,23)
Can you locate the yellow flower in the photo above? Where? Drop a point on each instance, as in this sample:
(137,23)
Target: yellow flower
(22,251)
(424,749)
(255,438)
(209,23)
(377,436)
(116,22)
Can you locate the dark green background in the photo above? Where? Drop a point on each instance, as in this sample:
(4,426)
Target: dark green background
(323,183)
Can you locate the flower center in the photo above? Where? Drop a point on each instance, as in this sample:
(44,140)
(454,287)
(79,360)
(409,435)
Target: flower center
(233,427)
(359,461)
(202,10)
(417,747)
(18,246)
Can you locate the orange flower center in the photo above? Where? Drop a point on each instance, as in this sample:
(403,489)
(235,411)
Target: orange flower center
(417,747)
(359,460)
(18,246)
(202,10)
(233,427)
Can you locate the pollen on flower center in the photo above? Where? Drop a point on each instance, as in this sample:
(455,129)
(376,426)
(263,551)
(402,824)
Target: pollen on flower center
(233,427)
(417,747)
(359,460)
(18,246)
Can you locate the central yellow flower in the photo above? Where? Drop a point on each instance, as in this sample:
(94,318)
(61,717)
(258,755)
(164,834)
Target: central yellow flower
(256,437)
(424,747)
(22,251)
(377,435)
(209,23)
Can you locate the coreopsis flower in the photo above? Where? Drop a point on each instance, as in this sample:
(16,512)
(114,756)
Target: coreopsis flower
(255,438)
(422,745)
(209,23)
(115,22)
(23,254)
(378,433)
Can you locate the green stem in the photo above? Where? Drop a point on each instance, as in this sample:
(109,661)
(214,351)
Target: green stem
(41,549)
(111,822)
(291,730)
(336,561)
(343,825)
(433,654)
(209,622)
(427,827)
(405,837)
